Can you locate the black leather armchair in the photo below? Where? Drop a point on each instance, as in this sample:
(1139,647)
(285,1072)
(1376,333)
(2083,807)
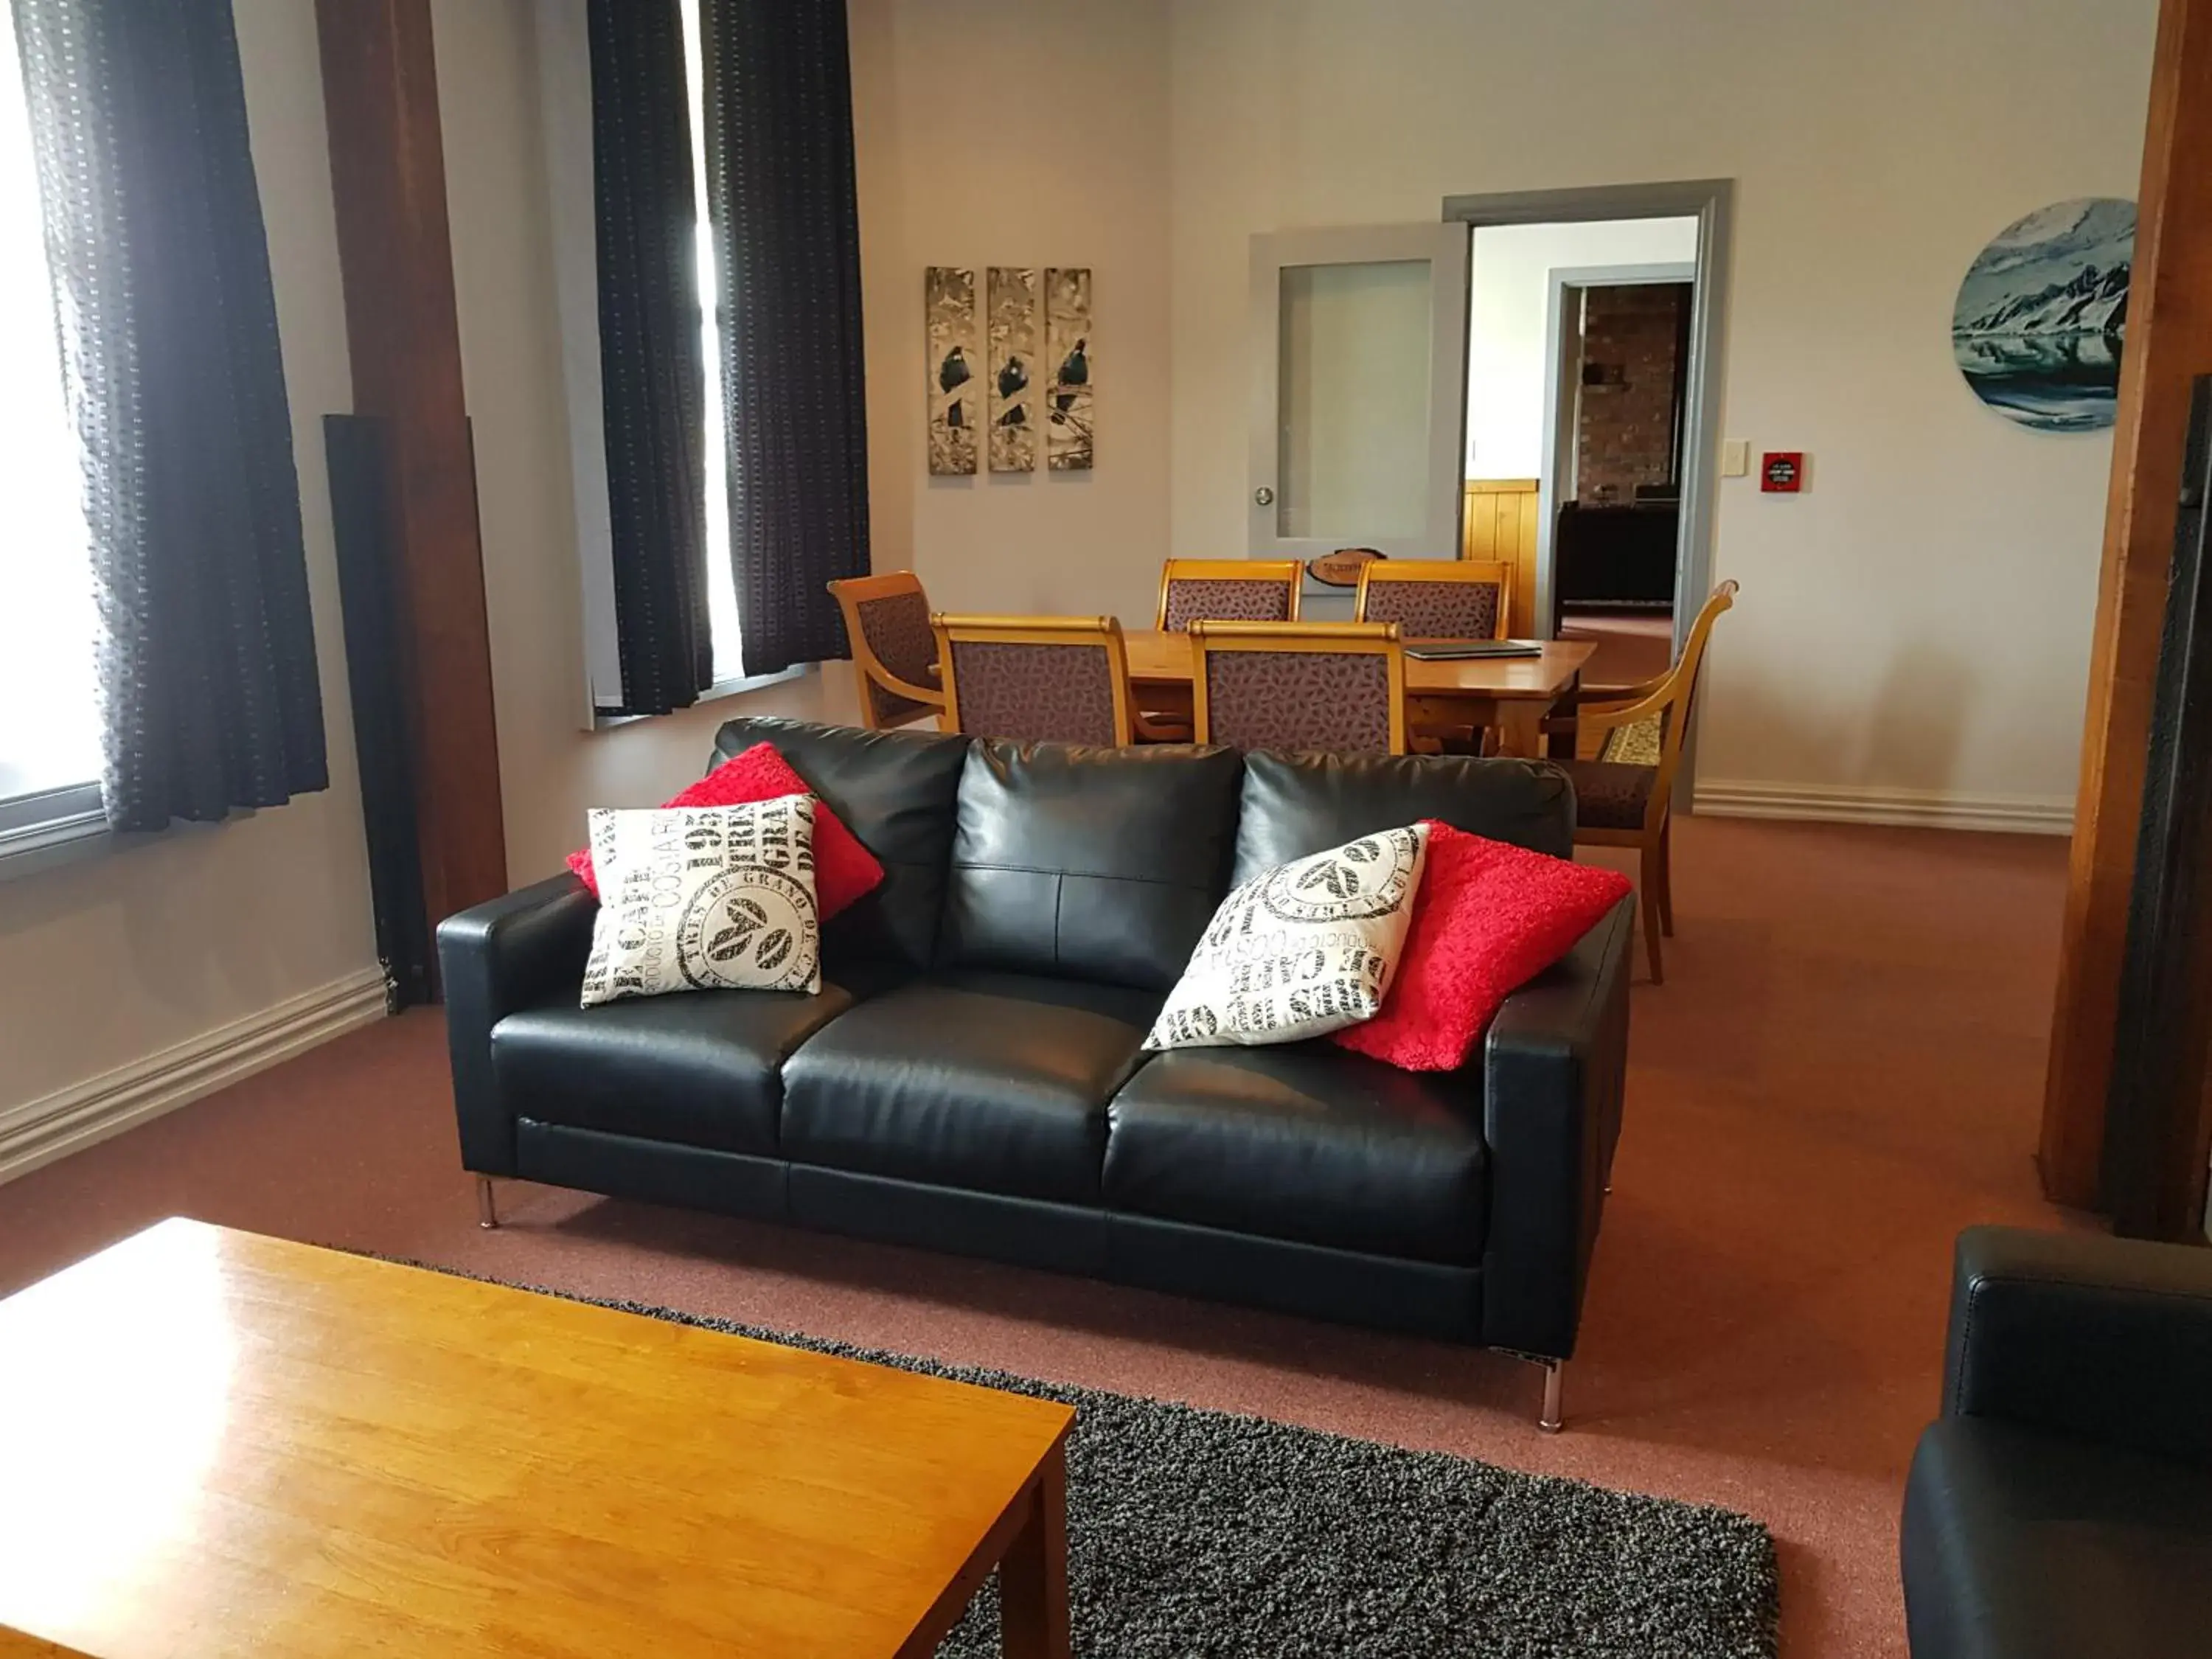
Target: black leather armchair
(2062,1503)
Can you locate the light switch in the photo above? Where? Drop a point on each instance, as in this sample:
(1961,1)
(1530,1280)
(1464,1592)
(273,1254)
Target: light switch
(1735,459)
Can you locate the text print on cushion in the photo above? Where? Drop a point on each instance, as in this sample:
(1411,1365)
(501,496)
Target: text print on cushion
(704,898)
(844,870)
(1305,948)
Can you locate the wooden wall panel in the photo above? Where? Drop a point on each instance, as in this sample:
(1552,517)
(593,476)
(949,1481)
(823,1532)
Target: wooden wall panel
(2169,344)
(395,253)
(1500,523)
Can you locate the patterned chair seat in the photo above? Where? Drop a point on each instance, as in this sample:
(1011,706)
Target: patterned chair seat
(1610,794)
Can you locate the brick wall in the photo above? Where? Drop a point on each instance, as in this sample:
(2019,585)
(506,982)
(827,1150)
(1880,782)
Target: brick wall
(1625,417)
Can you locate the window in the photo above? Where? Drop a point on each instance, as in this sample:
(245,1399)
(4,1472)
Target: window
(565,114)
(49,727)
(722,580)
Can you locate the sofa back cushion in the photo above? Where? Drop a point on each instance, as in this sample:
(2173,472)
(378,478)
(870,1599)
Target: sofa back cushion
(1097,864)
(1297,804)
(894,790)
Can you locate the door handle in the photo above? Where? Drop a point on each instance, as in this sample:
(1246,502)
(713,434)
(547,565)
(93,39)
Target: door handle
(1264,496)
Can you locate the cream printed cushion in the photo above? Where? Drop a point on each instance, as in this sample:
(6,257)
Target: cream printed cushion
(1306,948)
(704,898)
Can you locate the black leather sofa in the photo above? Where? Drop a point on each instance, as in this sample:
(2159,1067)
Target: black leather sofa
(2062,1506)
(970,1078)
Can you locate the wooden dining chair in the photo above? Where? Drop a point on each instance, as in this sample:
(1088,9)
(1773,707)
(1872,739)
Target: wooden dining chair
(1227,590)
(894,653)
(1299,686)
(1625,797)
(1438,599)
(1056,679)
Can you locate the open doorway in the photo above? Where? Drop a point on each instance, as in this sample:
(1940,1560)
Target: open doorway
(1579,336)
(1536,259)
(1618,381)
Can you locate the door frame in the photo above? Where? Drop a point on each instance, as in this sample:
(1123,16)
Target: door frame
(1560,426)
(1711,202)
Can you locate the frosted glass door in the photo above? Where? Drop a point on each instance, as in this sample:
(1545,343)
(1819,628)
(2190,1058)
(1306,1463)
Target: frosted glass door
(1360,348)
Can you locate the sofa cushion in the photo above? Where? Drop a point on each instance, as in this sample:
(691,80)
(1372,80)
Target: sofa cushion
(1306,1143)
(994,1083)
(1489,918)
(705,898)
(2020,1545)
(894,791)
(1307,948)
(844,870)
(701,1070)
(1098,864)
(1294,804)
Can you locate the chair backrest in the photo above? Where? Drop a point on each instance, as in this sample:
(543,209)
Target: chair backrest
(1299,686)
(1228,590)
(1062,679)
(887,624)
(1438,599)
(1669,699)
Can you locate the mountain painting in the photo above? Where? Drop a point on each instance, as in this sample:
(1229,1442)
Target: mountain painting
(2040,316)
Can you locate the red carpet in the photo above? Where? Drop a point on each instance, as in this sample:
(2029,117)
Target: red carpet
(1843,1069)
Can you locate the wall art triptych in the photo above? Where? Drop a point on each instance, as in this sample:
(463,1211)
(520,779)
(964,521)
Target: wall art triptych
(1024,374)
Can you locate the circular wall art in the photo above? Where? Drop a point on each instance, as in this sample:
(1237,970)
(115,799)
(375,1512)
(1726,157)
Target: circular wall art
(2039,321)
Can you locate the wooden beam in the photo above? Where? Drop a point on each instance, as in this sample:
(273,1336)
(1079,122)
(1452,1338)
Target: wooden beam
(388,176)
(2169,343)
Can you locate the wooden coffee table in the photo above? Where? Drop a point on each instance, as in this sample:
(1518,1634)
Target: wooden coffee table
(214,1443)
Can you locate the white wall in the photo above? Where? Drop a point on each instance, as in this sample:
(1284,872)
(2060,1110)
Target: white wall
(1919,619)
(108,961)
(1509,311)
(1004,132)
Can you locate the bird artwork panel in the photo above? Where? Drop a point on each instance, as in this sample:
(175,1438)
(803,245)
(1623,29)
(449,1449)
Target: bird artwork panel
(955,384)
(1014,343)
(1068,447)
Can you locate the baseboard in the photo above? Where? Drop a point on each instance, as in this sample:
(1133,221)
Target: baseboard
(39,1131)
(1848,803)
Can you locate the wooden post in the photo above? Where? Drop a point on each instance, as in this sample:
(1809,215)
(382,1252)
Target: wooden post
(388,177)
(2169,343)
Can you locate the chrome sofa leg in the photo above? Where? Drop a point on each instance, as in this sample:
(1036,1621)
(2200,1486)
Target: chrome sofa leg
(1555,1372)
(487,1213)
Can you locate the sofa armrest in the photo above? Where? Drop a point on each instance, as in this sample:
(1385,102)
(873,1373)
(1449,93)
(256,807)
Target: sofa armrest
(1553,1067)
(2106,1338)
(494,958)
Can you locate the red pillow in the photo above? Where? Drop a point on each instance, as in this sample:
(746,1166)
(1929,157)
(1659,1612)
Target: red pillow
(1489,918)
(844,870)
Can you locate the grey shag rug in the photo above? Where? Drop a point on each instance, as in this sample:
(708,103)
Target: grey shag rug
(1203,1534)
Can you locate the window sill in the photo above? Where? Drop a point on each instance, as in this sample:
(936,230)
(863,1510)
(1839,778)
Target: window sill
(714,693)
(52,827)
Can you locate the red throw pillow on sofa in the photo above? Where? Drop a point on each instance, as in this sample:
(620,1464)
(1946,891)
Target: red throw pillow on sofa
(1490,917)
(844,870)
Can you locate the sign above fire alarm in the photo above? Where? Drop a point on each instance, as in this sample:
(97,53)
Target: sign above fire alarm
(1782,472)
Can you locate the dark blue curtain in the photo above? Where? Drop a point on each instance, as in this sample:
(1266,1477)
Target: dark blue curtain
(781,201)
(168,326)
(652,373)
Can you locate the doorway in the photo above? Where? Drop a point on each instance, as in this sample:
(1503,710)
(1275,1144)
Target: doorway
(1577,375)
(1615,397)
(1593,364)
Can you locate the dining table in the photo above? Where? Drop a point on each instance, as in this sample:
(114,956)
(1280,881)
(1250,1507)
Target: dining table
(1510,693)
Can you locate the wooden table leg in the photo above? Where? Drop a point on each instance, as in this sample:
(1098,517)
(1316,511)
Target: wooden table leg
(1520,726)
(1033,1578)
